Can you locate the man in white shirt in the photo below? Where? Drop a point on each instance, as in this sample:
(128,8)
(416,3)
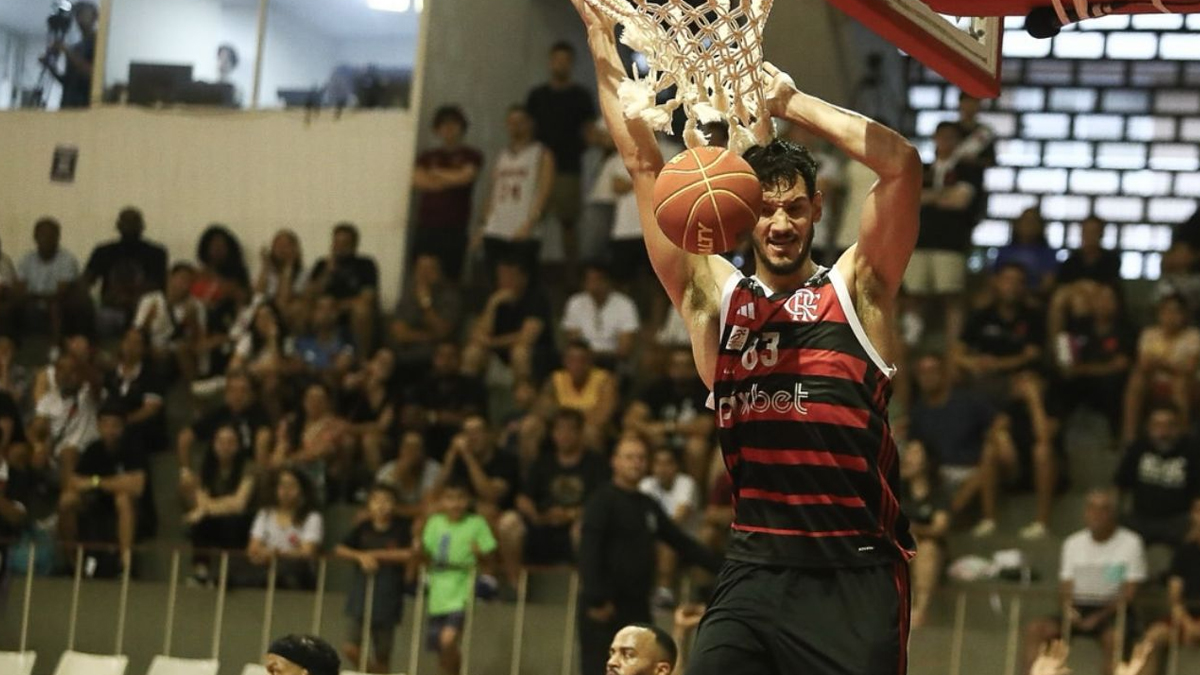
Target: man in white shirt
(675,492)
(64,418)
(1102,566)
(604,318)
(176,323)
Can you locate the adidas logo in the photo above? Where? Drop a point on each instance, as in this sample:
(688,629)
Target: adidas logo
(746,311)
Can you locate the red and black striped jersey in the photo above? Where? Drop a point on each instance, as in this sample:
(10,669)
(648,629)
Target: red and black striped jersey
(801,401)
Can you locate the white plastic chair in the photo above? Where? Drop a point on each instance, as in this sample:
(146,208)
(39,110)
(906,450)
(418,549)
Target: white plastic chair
(17,663)
(254,669)
(78,663)
(169,665)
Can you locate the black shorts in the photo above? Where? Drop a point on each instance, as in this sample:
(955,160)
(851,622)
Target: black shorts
(783,620)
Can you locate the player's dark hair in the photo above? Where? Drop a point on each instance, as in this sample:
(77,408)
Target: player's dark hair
(309,652)
(449,113)
(781,163)
(563,46)
(670,653)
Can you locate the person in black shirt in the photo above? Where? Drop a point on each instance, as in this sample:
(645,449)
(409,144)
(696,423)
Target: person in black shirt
(617,553)
(103,500)
(12,426)
(134,384)
(1094,347)
(515,326)
(928,509)
(218,509)
(673,411)
(76,79)
(353,280)
(127,269)
(240,411)
(1091,261)
(444,399)
(1002,337)
(1183,591)
(1160,473)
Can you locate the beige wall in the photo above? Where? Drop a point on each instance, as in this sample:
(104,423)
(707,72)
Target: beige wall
(256,172)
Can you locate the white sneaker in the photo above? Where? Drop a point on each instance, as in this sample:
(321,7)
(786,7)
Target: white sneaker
(985,528)
(1033,531)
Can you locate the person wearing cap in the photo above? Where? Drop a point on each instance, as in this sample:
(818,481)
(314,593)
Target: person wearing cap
(302,655)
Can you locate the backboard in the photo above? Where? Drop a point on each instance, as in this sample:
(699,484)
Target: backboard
(964,50)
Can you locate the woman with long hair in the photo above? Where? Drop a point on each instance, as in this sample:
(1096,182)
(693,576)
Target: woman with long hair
(265,351)
(282,277)
(289,530)
(1168,353)
(928,511)
(217,509)
(1028,248)
(311,440)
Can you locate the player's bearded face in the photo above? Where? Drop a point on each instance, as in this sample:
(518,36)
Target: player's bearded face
(784,234)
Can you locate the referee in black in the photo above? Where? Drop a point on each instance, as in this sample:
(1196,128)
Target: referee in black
(617,550)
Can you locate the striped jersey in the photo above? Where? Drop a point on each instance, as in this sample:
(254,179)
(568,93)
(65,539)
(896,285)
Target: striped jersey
(801,402)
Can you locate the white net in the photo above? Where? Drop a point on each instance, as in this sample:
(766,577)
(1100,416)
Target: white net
(710,51)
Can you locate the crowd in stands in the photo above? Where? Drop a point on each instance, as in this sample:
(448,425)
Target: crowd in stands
(477,431)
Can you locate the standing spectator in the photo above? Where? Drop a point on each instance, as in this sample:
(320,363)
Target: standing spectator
(453,541)
(928,509)
(1101,568)
(325,351)
(216,509)
(621,528)
(135,384)
(514,327)
(76,76)
(289,530)
(1004,336)
(581,385)
(380,546)
(562,111)
(1160,472)
(978,146)
(521,182)
(353,280)
(446,397)
(239,410)
(49,277)
(1091,260)
(445,178)
(429,311)
(412,475)
(1168,354)
(606,319)
(1183,593)
(676,493)
(127,269)
(1028,249)
(282,277)
(599,199)
(672,411)
(1093,350)
(176,324)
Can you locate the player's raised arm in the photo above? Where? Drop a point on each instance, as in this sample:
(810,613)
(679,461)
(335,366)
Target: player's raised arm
(890,215)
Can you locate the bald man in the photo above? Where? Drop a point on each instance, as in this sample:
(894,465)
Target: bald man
(641,649)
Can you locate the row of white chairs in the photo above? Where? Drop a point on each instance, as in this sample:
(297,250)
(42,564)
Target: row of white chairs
(79,663)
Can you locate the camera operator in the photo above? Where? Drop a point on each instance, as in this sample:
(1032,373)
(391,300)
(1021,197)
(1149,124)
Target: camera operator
(76,78)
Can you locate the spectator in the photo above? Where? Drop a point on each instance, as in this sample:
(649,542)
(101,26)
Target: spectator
(440,403)
(282,277)
(978,146)
(380,546)
(599,199)
(15,379)
(76,76)
(134,383)
(49,277)
(1168,353)
(1003,336)
(718,510)
(676,493)
(1179,276)
(103,500)
(239,410)
(412,475)
(14,514)
(928,509)
(313,441)
(672,411)
(90,362)
(216,509)
(562,111)
(552,496)
(65,418)
(580,385)
(605,319)
(1091,261)
(429,312)
(127,269)
(1101,568)
(522,179)
(1160,473)
(324,350)
(289,530)
(10,295)
(514,327)
(1093,348)
(1183,592)
(176,324)
(12,427)
(267,354)
(454,542)
(621,528)
(369,404)
(223,282)
(643,649)
(1027,248)
(445,178)
(353,280)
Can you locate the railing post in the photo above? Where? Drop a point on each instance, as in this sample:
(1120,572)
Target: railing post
(219,612)
(519,620)
(1014,637)
(960,627)
(28,595)
(569,630)
(1119,645)
(367,617)
(171,591)
(75,597)
(469,618)
(269,604)
(123,604)
(414,654)
(319,602)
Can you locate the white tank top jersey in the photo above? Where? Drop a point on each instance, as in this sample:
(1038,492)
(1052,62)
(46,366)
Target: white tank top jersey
(515,179)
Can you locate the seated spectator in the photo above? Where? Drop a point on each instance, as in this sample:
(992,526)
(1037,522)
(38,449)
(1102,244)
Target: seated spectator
(413,476)
(90,361)
(1003,336)
(718,509)
(429,312)
(1180,277)
(352,280)
(64,421)
(289,530)
(1160,473)
(1101,569)
(134,383)
(369,402)
(1027,248)
(103,499)
(176,324)
(222,285)
(1183,593)
(282,278)
(14,514)
(324,350)
(267,354)
(676,493)
(440,403)
(673,411)
(605,319)
(216,508)
(1028,447)
(127,269)
(928,509)
(1091,261)
(239,410)
(10,295)
(12,427)
(580,385)
(313,441)
(551,498)
(49,277)
(15,379)
(514,327)
(1094,349)
(1168,353)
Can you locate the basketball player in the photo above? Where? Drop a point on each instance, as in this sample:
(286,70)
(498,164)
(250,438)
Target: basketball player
(798,358)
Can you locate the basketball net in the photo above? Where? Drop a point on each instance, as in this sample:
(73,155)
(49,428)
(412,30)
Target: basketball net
(710,51)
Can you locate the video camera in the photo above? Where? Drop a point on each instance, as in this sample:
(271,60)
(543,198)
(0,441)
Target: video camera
(60,19)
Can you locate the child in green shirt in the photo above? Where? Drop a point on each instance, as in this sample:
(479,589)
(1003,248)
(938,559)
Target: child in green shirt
(454,540)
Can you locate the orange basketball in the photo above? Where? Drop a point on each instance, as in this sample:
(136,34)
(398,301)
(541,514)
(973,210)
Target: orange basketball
(705,199)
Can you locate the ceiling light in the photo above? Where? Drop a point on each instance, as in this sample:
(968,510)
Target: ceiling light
(390,5)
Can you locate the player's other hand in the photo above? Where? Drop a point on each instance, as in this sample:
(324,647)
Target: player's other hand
(687,616)
(1052,660)
(780,88)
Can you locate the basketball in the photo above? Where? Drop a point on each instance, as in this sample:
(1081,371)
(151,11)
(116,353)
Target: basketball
(705,199)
